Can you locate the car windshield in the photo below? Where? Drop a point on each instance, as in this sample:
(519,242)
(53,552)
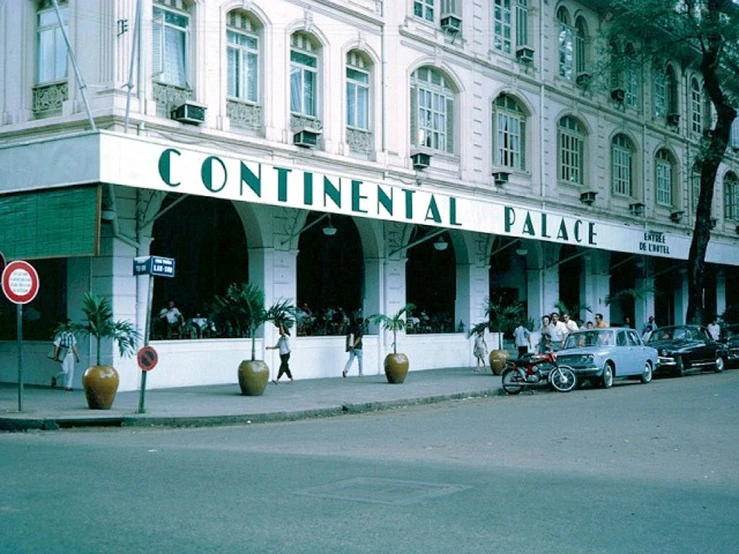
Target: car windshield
(590,338)
(668,333)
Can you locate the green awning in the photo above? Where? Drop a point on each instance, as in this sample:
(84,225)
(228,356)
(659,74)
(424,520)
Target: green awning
(56,223)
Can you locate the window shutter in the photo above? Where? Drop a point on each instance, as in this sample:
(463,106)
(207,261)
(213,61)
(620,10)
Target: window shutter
(186,59)
(157,45)
(450,125)
(414,116)
(522,145)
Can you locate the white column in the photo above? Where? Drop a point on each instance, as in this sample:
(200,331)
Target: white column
(720,291)
(597,280)
(473,286)
(645,307)
(681,296)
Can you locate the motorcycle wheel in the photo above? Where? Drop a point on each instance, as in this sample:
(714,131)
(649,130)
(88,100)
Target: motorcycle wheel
(562,378)
(509,379)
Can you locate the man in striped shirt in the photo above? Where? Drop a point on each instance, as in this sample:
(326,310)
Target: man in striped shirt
(67,340)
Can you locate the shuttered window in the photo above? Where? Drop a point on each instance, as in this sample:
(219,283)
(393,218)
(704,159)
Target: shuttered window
(432,111)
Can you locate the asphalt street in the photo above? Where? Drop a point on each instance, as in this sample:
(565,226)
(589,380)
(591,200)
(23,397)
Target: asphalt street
(637,468)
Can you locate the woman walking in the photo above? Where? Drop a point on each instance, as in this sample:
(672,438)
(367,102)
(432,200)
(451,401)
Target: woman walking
(283,345)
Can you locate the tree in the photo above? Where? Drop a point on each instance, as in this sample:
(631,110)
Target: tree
(703,34)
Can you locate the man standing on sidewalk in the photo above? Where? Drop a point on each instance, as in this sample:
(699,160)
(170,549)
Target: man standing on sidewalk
(354,346)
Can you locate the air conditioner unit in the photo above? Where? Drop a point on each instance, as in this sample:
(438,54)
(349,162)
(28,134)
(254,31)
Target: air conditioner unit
(673,119)
(307,138)
(713,222)
(677,217)
(618,95)
(707,133)
(583,79)
(500,177)
(189,112)
(450,23)
(421,160)
(588,197)
(525,54)
(637,208)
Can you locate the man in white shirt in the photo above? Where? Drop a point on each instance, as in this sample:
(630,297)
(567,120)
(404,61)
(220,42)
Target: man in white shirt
(558,332)
(714,329)
(570,323)
(522,338)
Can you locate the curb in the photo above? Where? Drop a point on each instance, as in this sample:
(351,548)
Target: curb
(58,423)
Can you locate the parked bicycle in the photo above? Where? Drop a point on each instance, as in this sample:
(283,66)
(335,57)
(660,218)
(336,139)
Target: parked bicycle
(536,370)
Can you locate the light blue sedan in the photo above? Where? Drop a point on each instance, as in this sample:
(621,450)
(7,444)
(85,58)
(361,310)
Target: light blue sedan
(602,355)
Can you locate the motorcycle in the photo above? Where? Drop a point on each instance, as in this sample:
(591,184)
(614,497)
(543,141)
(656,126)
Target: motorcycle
(535,370)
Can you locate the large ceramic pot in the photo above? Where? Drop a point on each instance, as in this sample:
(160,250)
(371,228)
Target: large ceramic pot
(498,359)
(396,368)
(100,383)
(253,377)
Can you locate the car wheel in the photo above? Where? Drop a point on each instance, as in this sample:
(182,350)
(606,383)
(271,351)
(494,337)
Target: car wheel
(606,380)
(679,367)
(646,375)
(719,364)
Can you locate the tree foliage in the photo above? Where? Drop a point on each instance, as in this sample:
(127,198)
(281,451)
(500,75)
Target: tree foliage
(702,35)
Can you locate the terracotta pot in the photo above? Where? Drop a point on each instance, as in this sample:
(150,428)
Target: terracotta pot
(498,359)
(396,368)
(253,377)
(100,383)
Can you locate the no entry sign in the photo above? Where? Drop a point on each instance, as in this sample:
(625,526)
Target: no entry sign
(20,282)
(147,358)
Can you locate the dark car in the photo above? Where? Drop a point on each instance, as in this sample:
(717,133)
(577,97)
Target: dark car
(683,348)
(730,337)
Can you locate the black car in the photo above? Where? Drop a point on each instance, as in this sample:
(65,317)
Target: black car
(730,336)
(683,348)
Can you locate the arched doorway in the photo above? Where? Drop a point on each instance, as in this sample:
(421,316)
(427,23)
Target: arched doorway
(206,238)
(431,282)
(330,273)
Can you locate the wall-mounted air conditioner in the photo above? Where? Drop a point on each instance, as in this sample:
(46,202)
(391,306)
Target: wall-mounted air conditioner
(421,160)
(307,138)
(525,54)
(189,112)
(451,23)
(500,177)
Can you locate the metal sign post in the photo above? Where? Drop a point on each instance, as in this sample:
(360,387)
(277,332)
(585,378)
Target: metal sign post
(20,284)
(147,356)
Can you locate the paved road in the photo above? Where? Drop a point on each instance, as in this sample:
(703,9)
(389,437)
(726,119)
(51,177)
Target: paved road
(636,468)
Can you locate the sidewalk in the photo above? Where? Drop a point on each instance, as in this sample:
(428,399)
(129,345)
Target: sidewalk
(52,409)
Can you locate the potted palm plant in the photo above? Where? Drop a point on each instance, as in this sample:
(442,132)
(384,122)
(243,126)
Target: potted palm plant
(242,312)
(500,314)
(101,381)
(396,364)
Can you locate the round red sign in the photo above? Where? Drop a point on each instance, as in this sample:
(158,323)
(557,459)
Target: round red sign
(20,282)
(147,358)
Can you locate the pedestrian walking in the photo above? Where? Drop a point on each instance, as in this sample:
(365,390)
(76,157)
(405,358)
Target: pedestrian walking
(522,339)
(714,329)
(66,352)
(283,345)
(354,346)
(480,350)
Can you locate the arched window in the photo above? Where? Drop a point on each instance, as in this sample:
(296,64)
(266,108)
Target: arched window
(303,76)
(581,45)
(566,45)
(171,43)
(357,91)
(695,186)
(242,52)
(622,166)
(731,197)
(660,93)
(571,140)
(432,110)
(509,123)
(696,106)
(664,177)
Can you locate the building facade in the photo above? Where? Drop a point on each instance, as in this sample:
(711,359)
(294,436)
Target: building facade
(353,154)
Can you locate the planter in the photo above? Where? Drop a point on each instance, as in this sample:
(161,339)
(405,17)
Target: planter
(100,383)
(498,359)
(253,377)
(396,368)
